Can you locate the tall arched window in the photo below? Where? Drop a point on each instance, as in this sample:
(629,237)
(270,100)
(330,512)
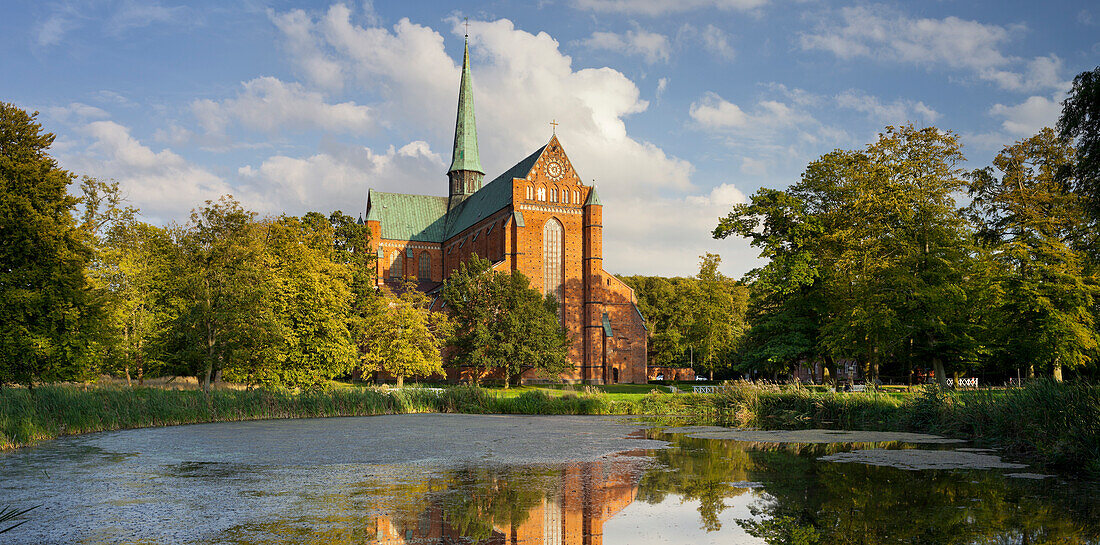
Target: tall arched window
(397,268)
(425,269)
(542,193)
(530,193)
(552,264)
(565,196)
(553,194)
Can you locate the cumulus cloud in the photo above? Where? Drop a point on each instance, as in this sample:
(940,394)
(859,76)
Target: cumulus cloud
(1025,119)
(661,7)
(522,81)
(337,176)
(305,48)
(884,34)
(713,112)
(893,113)
(674,233)
(268,104)
(163,184)
(653,47)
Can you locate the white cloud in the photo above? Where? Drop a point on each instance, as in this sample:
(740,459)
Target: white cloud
(305,48)
(268,104)
(76,111)
(753,167)
(163,184)
(662,86)
(113,18)
(884,34)
(522,81)
(673,234)
(1025,119)
(717,42)
(897,112)
(336,178)
(131,14)
(652,46)
(661,7)
(713,112)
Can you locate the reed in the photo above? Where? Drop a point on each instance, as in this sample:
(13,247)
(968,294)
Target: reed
(1054,424)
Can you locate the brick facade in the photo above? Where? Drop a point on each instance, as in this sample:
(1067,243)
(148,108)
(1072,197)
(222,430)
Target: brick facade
(509,221)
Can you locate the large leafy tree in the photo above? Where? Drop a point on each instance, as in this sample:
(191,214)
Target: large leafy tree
(129,270)
(868,257)
(1031,220)
(502,323)
(224,311)
(307,341)
(48,315)
(1080,122)
(720,316)
(406,339)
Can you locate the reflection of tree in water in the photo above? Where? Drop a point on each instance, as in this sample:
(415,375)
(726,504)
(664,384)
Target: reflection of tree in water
(481,498)
(861,504)
(703,470)
(804,501)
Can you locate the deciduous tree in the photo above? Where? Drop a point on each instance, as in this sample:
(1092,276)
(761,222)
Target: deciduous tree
(48,315)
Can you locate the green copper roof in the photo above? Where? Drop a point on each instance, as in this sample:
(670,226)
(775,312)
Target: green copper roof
(408,217)
(593,198)
(424,218)
(465,155)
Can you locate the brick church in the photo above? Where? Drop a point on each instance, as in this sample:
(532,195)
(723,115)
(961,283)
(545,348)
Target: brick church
(538,218)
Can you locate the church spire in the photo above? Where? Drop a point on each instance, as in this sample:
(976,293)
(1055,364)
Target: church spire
(465,173)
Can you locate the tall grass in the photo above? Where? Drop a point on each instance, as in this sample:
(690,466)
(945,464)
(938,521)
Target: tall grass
(1056,424)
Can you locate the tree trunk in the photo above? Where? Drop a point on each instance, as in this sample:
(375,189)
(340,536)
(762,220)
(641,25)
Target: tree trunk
(955,383)
(941,374)
(507,378)
(400,381)
(127,367)
(141,366)
(1058,370)
(1031,370)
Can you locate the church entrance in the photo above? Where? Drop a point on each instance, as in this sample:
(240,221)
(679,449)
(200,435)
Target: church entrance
(615,375)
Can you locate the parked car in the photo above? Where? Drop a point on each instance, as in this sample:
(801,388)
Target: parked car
(699,378)
(659,377)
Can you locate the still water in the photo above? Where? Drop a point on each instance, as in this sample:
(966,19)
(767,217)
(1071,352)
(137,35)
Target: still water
(442,479)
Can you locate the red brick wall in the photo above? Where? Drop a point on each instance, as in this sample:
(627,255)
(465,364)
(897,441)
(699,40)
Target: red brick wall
(587,292)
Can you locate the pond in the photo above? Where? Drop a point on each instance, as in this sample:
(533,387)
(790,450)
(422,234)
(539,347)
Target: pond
(442,479)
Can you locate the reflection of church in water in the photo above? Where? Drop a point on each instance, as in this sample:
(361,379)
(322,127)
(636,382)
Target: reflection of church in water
(537,218)
(572,513)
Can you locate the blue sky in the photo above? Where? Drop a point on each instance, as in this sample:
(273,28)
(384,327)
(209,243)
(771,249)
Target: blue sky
(676,109)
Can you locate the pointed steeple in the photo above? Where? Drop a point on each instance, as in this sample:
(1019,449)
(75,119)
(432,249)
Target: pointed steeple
(465,173)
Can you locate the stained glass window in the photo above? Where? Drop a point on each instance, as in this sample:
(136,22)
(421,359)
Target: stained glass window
(552,235)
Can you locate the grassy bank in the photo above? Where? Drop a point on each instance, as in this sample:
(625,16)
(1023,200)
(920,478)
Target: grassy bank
(1054,424)
(1051,423)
